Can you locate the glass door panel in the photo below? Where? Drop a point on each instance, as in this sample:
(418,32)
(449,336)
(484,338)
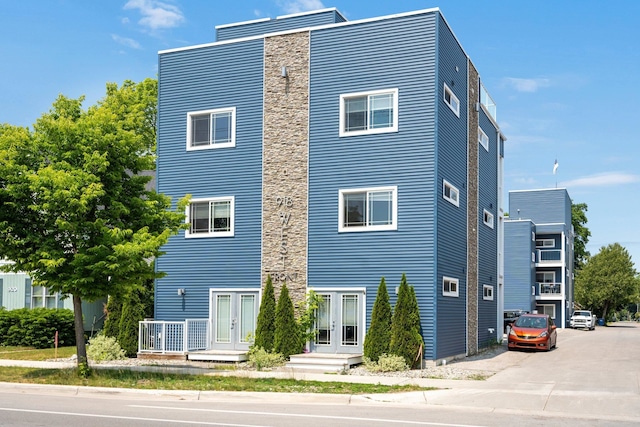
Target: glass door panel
(323,321)
(223,318)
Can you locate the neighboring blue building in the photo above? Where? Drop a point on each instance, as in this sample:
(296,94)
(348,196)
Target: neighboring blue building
(329,154)
(538,263)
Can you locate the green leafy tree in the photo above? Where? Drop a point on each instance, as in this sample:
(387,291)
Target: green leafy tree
(76,212)
(287,332)
(406,340)
(608,281)
(378,338)
(582,233)
(265,327)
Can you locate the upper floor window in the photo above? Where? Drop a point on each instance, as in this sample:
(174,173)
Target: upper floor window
(451,100)
(43,297)
(211,129)
(210,217)
(483,139)
(488,218)
(450,193)
(369,112)
(449,287)
(487,292)
(368,209)
(545,243)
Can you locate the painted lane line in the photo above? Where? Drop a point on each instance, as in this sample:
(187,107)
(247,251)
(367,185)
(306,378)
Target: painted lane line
(119,417)
(330,417)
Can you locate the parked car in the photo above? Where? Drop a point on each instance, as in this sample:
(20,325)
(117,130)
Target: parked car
(534,332)
(510,316)
(583,319)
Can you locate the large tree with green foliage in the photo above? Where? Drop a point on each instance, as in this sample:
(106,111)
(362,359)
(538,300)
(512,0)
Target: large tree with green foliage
(608,281)
(378,338)
(76,212)
(265,327)
(406,340)
(582,233)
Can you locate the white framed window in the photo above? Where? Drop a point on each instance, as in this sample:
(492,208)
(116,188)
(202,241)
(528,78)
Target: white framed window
(533,236)
(211,217)
(533,257)
(487,292)
(483,139)
(368,209)
(449,287)
(211,129)
(450,193)
(546,309)
(369,112)
(451,100)
(545,243)
(488,218)
(43,297)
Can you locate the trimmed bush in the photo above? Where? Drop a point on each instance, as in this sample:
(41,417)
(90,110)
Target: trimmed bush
(386,363)
(378,337)
(287,332)
(102,348)
(265,327)
(36,327)
(261,359)
(406,340)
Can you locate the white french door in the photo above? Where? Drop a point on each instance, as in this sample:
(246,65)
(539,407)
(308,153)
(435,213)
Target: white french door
(233,318)
(340,322)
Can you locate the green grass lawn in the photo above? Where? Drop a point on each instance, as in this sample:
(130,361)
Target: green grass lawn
(125,378)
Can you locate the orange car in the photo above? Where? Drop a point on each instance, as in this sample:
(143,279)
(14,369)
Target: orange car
(533,331)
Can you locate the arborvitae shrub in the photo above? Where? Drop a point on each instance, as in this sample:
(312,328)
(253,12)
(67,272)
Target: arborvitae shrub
(114,312)
(378,337)
(287,332)
(132,314)
(265,327)
(406,340)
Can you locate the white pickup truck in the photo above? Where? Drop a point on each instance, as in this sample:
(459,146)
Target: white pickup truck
(583,319)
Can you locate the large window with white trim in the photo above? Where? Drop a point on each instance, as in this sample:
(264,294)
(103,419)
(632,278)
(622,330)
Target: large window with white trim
(210,217)
(211,129)
(450,287)
(369,112)
(451,100)
(368,209)
(43,297)
(450,193)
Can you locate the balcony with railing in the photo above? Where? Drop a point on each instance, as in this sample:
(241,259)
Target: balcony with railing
(549,290)
(549,256)
(488,102)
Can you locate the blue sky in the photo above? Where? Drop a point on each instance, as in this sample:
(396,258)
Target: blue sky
(563,74)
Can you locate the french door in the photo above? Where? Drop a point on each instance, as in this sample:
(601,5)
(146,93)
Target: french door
(233,318)
(339,322)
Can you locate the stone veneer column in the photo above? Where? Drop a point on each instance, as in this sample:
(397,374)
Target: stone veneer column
(285,162)
(472,213)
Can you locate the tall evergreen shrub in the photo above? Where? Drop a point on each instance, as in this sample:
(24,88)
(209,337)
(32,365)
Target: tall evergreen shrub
(406,340)
(378,338)
(265,327)
(287,332)
(133,310)
(114,313)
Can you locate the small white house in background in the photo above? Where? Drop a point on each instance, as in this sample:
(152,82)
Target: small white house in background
(17,291)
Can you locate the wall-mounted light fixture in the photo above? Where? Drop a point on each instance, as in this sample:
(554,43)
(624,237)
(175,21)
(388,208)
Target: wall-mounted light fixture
(181,292)
(284,72)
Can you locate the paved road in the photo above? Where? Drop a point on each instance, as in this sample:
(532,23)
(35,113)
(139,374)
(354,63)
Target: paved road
(592,378)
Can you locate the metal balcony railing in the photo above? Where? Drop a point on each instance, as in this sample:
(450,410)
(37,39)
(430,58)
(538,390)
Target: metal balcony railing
(549,289)
(549,256)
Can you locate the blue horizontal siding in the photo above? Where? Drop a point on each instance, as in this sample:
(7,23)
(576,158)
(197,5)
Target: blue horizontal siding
(199,79)
(541,206)
(519,270)
(403,58)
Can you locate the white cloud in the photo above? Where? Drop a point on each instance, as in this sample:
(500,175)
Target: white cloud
(126,41)
(297,6)
(156,14)
(603,180)
(527,85)
(257,12)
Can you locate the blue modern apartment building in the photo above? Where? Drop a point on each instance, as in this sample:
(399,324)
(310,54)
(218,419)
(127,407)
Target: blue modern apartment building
(328,154)
(538,262)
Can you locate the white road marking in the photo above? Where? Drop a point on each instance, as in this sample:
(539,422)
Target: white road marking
(332,417)
(160,420)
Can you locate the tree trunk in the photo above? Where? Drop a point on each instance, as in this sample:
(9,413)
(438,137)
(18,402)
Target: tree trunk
(81,348)
(604,313)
